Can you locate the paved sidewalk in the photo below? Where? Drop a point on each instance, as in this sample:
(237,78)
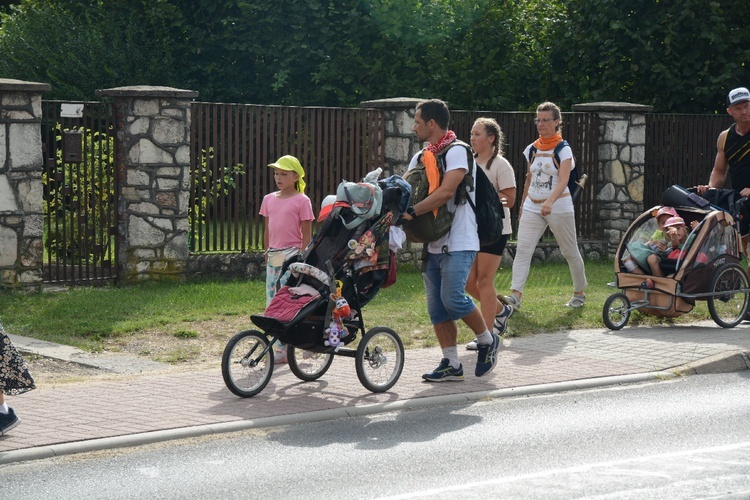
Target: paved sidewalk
(154,406)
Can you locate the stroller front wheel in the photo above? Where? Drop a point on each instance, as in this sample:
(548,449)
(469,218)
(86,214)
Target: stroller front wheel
(616,311)
(379,359)
(244,365)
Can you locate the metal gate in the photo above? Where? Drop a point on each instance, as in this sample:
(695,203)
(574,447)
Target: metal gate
(80,192)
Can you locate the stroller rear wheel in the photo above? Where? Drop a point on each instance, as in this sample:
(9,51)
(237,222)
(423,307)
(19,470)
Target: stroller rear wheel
(379,359)
(616,311)
(244,366)
(728,305)
(308,365)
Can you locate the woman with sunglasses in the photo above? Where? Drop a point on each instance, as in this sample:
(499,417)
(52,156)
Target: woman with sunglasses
(547,203)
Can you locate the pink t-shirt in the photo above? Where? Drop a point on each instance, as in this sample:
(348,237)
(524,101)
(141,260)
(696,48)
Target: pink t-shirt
(284,217)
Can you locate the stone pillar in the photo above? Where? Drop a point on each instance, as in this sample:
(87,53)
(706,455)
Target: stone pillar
(153,168)
(622,155)
(400,145)
(21,166)
(400,142)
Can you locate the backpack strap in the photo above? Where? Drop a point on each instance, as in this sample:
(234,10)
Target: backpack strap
(555,153)
(468,180)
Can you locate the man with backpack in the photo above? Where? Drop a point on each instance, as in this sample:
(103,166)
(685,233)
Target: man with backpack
(449,258)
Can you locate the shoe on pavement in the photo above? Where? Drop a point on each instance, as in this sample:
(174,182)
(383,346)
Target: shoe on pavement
(472,346)
(279,356)
(445,373)
(487,356)
(576,301)
(501,320)
(8,421)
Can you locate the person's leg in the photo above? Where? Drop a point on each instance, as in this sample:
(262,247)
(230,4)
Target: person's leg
(563,226)
(487,265)
(8,419)
(472,282)
(531,227)
(453,270)
(653,263)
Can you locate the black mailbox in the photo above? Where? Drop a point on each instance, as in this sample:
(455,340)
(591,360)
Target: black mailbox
(72,146)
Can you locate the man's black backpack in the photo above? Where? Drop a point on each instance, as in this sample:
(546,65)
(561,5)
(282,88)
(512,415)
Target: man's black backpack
(488,209)
(573,186)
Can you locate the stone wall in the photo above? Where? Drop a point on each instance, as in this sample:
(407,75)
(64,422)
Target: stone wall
(21,163)
(153,163)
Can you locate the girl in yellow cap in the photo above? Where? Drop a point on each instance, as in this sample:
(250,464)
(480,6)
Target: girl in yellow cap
(287,229)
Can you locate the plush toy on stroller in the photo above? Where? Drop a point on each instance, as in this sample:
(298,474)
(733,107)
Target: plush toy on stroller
(706,267)
(319,310)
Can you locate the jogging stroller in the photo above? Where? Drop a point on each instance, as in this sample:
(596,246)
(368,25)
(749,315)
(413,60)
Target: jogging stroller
(318,312)
(707,268)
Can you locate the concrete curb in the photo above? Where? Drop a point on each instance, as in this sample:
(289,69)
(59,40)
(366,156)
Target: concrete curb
(720,363)
(131,440)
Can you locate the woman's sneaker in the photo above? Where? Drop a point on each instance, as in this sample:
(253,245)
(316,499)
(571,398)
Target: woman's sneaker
(472,346)
(577,301)
(8,421)
(501,320)
(511,300)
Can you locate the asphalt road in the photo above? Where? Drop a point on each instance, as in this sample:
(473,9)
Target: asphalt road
(685,438)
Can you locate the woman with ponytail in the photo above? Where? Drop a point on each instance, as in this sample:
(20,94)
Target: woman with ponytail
(487,143)
(547,203)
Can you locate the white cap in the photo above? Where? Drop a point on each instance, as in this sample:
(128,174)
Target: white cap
(738,95)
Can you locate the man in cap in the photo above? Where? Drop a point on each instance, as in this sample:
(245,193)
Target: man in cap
(733,154)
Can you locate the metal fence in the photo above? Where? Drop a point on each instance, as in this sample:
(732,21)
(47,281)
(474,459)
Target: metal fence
(80,192)
(233,145)
(680,149)
(581,130)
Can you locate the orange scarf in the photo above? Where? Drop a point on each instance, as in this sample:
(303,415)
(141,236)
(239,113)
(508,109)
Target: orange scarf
(430,162)
(547,143)
(433,174)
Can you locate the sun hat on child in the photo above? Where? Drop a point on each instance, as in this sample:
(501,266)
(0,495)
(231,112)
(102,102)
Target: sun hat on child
(674,221)
(666,211)
(289,162)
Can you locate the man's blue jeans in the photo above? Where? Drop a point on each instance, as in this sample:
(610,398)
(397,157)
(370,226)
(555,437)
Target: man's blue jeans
(445,283)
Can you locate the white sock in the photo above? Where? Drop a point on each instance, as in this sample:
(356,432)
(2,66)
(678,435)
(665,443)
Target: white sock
(4,408)
(451,354)
(484,338)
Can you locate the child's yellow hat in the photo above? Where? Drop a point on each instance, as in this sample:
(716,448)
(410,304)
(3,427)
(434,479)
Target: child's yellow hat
(289,162)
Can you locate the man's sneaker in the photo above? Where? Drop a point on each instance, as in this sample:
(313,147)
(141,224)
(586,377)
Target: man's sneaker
(501,320)
(8,421)
(445,372)
(472,346)
(487,356)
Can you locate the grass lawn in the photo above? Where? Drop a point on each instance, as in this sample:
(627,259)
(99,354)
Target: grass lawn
(98,318)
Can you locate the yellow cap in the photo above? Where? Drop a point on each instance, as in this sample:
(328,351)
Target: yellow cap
(288,162)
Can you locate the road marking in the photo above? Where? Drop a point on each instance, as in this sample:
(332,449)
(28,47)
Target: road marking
(579,468)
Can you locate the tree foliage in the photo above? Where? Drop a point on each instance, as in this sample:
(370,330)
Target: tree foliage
(678,55)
